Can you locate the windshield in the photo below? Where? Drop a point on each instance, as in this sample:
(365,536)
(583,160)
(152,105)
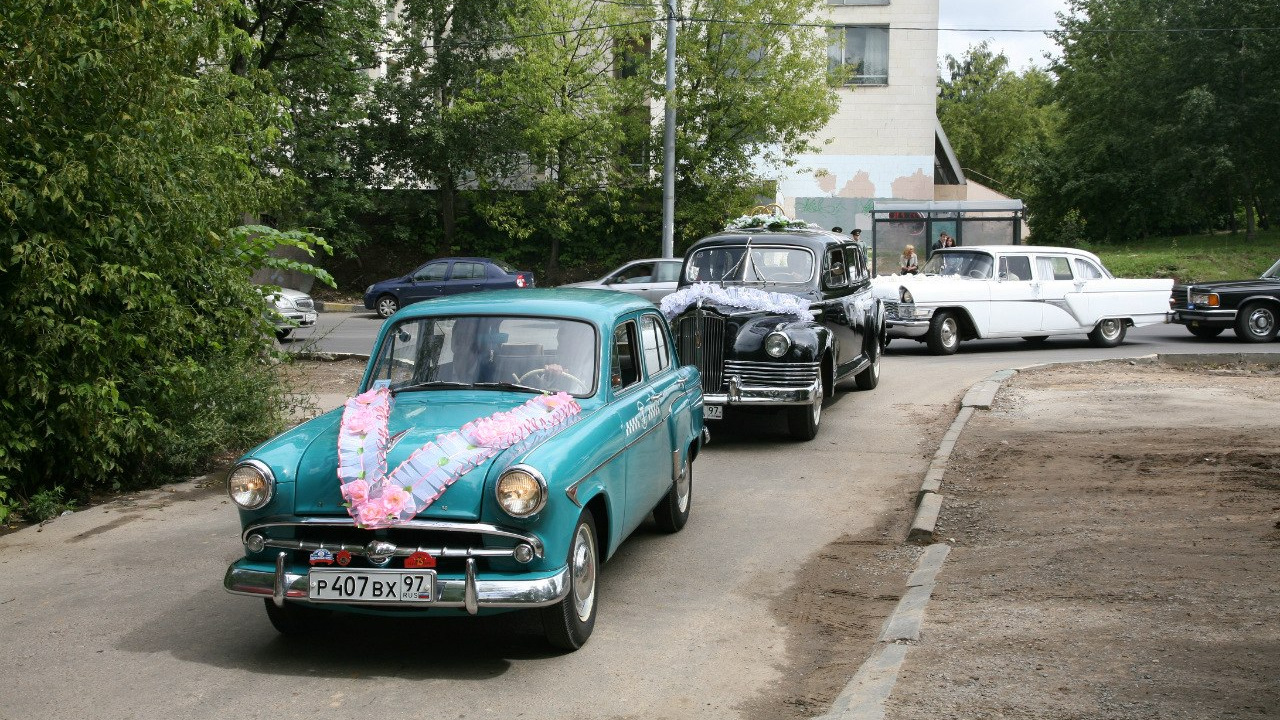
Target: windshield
(765,264)
(532,354)
(1273,273)
(961,263)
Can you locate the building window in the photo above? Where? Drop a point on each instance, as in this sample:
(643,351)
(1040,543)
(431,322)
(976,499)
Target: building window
(860,54)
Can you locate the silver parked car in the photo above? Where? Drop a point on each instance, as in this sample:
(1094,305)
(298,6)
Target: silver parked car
(652,279)
(290,310)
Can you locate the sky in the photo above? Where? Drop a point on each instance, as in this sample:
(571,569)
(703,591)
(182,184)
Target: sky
(1022,49)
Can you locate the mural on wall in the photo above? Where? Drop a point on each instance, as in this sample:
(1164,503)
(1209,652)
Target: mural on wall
(837,191)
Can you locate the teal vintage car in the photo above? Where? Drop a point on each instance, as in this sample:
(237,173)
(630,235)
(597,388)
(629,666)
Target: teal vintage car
(502,446)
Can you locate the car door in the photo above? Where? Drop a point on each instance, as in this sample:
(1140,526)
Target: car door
(426,282)
(635,278)
(1054,282)
(642,423)
(466,276)
(840,311)
(1014,308)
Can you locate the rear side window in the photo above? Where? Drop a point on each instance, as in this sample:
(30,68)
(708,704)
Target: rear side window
(668,272)
(467,271)
(653,340)
(1053,267)
(1086,270)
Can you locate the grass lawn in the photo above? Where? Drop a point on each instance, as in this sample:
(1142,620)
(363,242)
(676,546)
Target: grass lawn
(1192,258)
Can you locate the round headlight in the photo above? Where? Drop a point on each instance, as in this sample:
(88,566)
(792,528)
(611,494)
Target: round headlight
(521,491)
(777,343)
(906,296)
(251,485)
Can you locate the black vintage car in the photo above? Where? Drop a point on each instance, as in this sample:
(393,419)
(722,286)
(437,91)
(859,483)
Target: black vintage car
(1250,307)
(776,319)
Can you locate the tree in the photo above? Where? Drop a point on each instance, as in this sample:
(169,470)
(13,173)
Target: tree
(997,119)
(752,89)
(131,342)
(1168,113)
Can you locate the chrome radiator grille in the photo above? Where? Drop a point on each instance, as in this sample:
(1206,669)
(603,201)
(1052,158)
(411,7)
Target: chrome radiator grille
(701,343)
(891,310)
(773,374)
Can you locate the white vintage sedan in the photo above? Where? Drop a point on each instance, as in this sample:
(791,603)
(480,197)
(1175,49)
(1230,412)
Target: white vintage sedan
(1002,291)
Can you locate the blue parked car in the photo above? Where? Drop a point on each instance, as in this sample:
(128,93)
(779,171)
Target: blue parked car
(446,276)
(502,446)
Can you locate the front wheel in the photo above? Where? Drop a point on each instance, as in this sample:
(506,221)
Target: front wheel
(569,623)
(672,512)
(283,334)
(803,420)
(1256,322)
(944,334)
(1204,333)
(296,620)
(387,306)
(1109,333)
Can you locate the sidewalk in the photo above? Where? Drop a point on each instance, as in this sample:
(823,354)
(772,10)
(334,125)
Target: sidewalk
(1109,549)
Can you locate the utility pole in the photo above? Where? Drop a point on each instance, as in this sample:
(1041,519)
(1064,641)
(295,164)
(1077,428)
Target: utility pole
(669,141)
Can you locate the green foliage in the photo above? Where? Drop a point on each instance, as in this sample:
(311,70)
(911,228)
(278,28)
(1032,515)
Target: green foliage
(132,346)
(47,504)
(1165,130)
(999,122)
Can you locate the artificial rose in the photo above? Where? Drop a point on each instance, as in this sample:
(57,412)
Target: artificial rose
(356,492)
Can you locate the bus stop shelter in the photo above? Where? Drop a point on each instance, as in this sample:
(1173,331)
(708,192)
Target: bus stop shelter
(920,224)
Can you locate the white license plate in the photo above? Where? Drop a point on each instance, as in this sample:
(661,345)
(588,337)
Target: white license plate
(418,586)
(309,318)
(713,412)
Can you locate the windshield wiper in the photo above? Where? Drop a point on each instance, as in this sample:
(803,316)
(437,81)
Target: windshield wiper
(431,385)
(509,386)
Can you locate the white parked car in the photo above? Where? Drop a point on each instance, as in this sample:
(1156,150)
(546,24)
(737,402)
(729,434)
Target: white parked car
(652,278)
(1002,291)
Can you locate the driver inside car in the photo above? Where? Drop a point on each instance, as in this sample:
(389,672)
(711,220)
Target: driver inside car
(575,360)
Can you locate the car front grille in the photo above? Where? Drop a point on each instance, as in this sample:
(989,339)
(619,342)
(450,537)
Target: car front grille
(773,374)
(1178,300)
(700,342)
(451,545)
(891,310)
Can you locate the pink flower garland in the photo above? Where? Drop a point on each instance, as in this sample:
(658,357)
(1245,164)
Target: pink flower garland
(378,499)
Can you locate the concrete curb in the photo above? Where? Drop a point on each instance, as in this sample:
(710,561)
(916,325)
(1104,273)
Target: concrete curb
(322,306)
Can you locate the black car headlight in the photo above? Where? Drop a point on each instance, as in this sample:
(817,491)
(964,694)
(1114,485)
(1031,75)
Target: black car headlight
(777,343)
(251,484)
(521,491)
(1204,299)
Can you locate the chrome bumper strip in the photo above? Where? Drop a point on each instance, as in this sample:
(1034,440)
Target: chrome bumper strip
(744,395)
(469,593)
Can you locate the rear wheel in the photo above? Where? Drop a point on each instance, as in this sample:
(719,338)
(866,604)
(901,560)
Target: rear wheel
(1204,333)
(1256,322)
(387,306)
(1108,333)
(803,420)
(569,623)
(295,619)
(672,512)
(944,334)
(868,379)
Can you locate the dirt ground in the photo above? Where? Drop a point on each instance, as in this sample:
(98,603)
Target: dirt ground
(1115,532)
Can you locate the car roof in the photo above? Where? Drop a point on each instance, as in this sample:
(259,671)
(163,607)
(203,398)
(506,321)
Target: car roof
(813,238)
(597,306)
(1018,249)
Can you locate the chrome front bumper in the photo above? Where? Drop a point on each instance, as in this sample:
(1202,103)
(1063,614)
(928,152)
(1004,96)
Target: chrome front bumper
(469,592)
(906,320)
(740,394)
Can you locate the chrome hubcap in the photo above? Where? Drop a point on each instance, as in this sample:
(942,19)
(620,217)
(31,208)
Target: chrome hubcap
(682,487)
(1110,328)
(584,573)
(949,332)
(817,404)
(1262,321)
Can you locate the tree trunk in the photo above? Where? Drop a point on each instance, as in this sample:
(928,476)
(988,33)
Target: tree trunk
(1250,221)
(448,216)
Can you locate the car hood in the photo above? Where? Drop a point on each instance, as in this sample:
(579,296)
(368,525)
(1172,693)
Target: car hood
(417,418)
(886,287)
(1265,284)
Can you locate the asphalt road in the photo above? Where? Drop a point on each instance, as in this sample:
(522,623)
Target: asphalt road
(118,611)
